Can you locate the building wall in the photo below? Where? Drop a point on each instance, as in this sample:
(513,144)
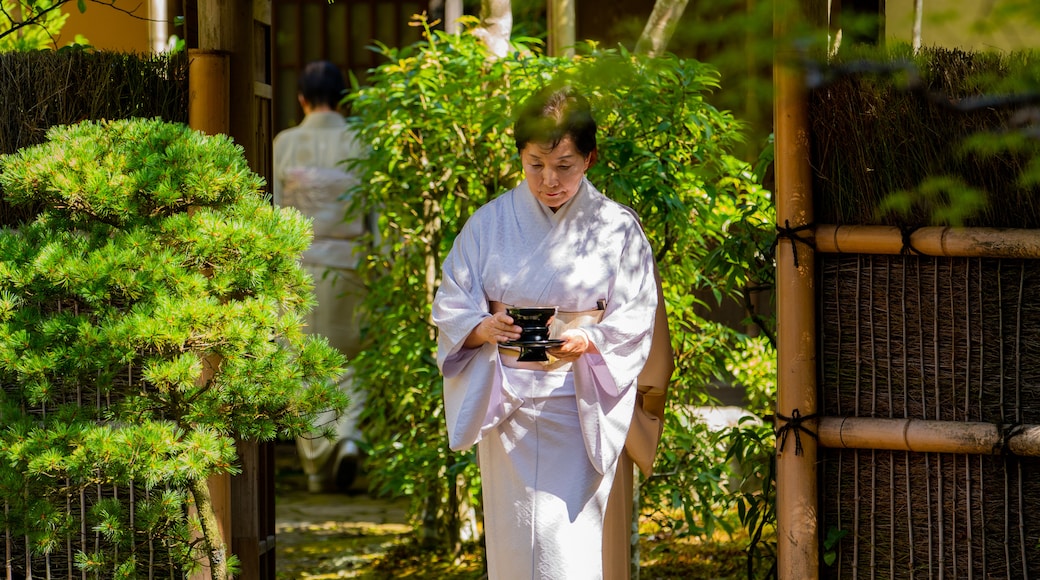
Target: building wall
(108,27)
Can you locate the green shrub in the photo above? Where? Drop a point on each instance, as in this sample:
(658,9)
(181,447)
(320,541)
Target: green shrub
(437,117)
(150,314)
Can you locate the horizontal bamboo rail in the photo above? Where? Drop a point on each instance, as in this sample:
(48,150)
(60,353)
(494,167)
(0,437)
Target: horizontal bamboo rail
(930,241)
(928,436)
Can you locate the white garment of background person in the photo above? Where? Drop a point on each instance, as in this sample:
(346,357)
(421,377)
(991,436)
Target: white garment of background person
(548,440)
(309,175)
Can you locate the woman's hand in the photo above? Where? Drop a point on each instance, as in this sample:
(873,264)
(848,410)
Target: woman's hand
(493,329)
(575,344)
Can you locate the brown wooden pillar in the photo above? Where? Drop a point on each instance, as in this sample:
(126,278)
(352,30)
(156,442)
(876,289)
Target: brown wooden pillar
(230,93)
(252,491)
(796,476)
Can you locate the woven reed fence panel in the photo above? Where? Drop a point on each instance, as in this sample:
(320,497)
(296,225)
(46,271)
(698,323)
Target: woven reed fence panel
(154,559)
(46,88)
(39,90)
(953,339)
(22,558)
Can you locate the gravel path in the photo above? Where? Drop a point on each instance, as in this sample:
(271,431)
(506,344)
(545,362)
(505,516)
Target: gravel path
(328,535)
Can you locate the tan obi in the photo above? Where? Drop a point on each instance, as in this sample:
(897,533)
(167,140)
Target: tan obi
(563,321)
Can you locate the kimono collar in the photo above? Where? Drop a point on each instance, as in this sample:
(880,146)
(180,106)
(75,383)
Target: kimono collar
(323,120)
(554,217)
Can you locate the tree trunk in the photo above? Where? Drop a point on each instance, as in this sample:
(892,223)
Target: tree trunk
(918,17)
(496,24)
(212,540)
(660,26)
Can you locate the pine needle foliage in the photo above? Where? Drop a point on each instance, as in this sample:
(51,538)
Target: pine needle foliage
(150,314)
(45,88)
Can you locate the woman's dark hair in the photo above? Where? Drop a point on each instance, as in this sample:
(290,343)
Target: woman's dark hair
(552,114)
(321,83)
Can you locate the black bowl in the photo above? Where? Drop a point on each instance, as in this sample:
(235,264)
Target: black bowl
(534,325)
(534,321)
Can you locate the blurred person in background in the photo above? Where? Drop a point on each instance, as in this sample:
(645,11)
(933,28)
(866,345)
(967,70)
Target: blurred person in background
(310,175)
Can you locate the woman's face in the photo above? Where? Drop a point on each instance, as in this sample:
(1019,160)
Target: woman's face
(554,174)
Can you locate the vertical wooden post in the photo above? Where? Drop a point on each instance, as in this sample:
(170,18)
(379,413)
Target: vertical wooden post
(252,491)
(453,10)
(562,27)
(796,489)
(209,110)
(233,65)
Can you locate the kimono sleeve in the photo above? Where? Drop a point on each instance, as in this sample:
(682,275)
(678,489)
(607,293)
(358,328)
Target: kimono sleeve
(475,399)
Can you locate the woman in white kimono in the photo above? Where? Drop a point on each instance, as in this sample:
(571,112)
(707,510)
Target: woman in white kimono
(548,435)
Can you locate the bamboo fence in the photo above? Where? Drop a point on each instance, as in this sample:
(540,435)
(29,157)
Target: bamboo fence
(23,559)
(930,384)
(911,448)
(929,403)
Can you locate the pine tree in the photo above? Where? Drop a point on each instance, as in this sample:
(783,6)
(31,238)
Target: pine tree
(150,314)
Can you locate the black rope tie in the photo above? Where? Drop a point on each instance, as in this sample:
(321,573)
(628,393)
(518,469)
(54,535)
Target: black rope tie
(1007,433)
(794,423)
(786,232)
(908,248)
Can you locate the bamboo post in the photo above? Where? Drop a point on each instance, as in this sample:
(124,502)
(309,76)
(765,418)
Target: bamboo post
(796,488)
(562,31)
(930,241)
(209,110)
(209,99)
(925,436)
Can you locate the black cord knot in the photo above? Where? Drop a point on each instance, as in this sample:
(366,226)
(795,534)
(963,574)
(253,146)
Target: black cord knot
(787,232)
(1007,433)
(794,423)
(908,248)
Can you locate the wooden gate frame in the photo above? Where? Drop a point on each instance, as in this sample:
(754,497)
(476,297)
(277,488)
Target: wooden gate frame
(232,64)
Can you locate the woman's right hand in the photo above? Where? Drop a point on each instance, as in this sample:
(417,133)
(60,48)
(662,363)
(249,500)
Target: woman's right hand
(493,329)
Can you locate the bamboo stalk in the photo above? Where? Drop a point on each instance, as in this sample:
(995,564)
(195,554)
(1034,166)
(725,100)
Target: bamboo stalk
(906,410)
(967,408)
(939,473)
(1018,412)
(982,377)
(69,562)
(856,412)
(209,108)
(926,436)
(1003,406)
(837,373)
(873,411)
(797,513)
(891,456)
(931,241)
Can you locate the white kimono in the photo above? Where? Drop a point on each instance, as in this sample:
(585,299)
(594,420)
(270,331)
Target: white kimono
(309,175)
(549,440)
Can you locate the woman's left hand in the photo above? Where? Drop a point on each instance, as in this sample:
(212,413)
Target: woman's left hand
(575,344)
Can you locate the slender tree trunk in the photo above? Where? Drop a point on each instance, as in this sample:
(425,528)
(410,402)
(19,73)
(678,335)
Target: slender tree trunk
(563,28)
(496,24)
(216,551)
(659,28)
(918,17)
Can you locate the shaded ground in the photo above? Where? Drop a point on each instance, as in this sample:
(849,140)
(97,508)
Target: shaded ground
(329,535)
(335,535)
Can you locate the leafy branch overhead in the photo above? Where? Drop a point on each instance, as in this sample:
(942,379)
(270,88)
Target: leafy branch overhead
(27,25)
